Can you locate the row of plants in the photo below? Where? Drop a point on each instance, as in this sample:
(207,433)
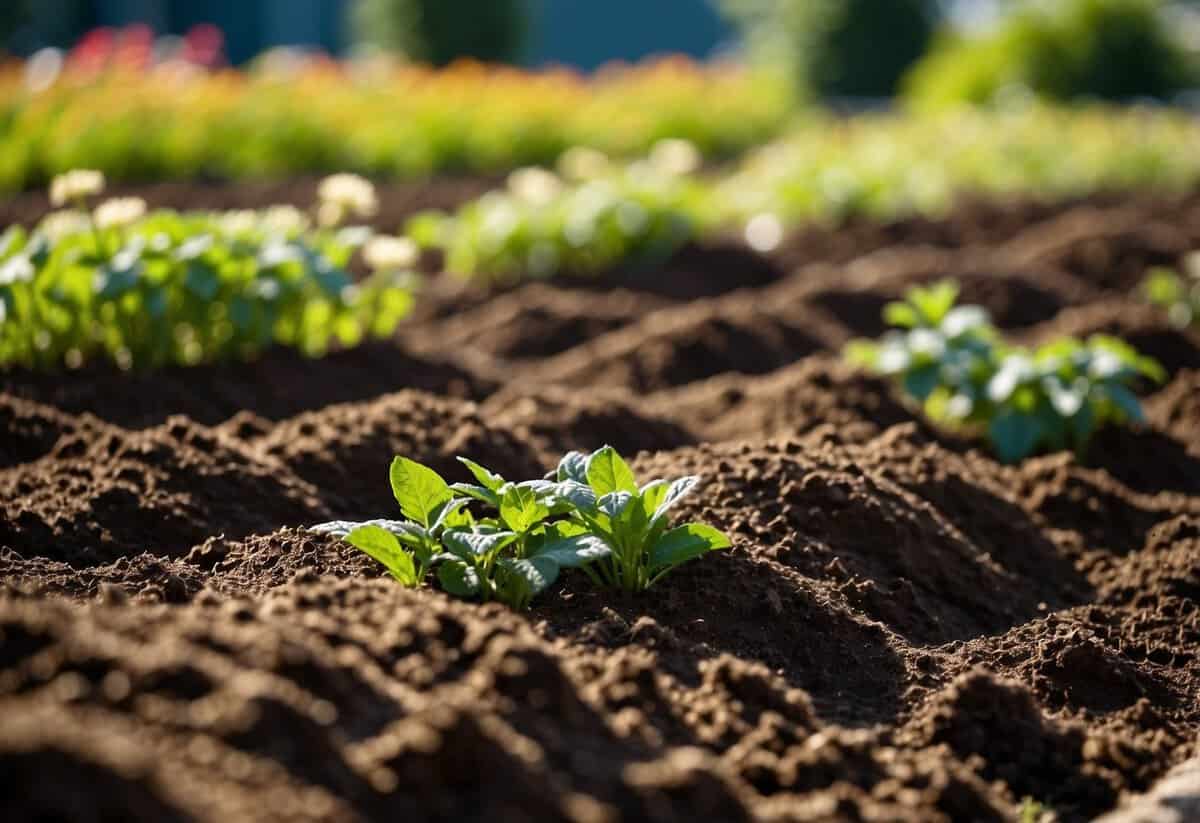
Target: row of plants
(147,289)
(592,213)
(369,116)
(590,514)
(954,363)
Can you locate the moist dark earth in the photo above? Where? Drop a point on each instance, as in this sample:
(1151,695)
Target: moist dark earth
(904,629)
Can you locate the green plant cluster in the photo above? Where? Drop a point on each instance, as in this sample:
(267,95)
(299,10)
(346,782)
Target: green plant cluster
(1175,292)
(181,289)
(589,514)
(952,361)
(596,214)
(440,31)
(1067,49)
(836,48)
(371,115)
(635,215)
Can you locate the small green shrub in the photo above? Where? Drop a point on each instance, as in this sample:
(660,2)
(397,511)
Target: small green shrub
(1178,294)
(440,31)
(588,514)
(837,48)
(541,224)
(1110,49)
(953,362)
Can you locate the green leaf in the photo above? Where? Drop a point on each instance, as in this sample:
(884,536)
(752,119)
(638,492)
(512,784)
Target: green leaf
(536,572)
(861,353)
(608,472)
(418,489)
(450,514)
(615,504)
(202,281)
(898,313)
(1014,434)
(921,381)
(933,302)
(382,545)
(573,466)
(573,552)
(472,544)
(459,579)
(577,494)
(652,495)
(111,284)
(521,509)
(1126,401)
(486,477)
(483,495)
(684,543)
(678,490)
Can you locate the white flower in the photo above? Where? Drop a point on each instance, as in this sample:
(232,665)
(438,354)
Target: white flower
(275,253)
(1067,401)
(583,163)
(75,185)
(343,195)
(286,220)
(534,186)
(193,247)
(959,407)
(1015,370)
(927,342)
(675,157)
(383,253)
(119,212)
(59,224)
(237,222)
(1104,364)
(764,232)
(16,270)
(962,319)
(893,356)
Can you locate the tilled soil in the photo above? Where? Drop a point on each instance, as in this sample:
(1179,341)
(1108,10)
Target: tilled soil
(904,629)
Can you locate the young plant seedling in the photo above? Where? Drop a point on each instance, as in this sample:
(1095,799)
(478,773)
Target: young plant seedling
(1178,294)
(942,356)
(1059,395)
(589,514)
(952,361)
(601,497)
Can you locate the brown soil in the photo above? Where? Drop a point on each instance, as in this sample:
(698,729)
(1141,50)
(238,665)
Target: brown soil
(904,629)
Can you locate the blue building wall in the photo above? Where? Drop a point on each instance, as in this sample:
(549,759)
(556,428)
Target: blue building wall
(581,33)
(586,33)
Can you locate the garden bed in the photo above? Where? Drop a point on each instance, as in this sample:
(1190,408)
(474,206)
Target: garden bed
(905,629)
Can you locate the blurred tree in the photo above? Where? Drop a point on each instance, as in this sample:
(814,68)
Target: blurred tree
(438,31)
(837,48)
(1111,49)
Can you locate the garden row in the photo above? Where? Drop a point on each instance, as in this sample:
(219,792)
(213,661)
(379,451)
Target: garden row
(378,119)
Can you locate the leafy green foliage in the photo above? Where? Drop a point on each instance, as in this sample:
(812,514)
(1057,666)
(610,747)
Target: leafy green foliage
(540,225)
(631,520)
(1059,395)
(589,514)
(837,48)
(440,31)
(1113,49)
(952,361)
(1179,295)
(183,289)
